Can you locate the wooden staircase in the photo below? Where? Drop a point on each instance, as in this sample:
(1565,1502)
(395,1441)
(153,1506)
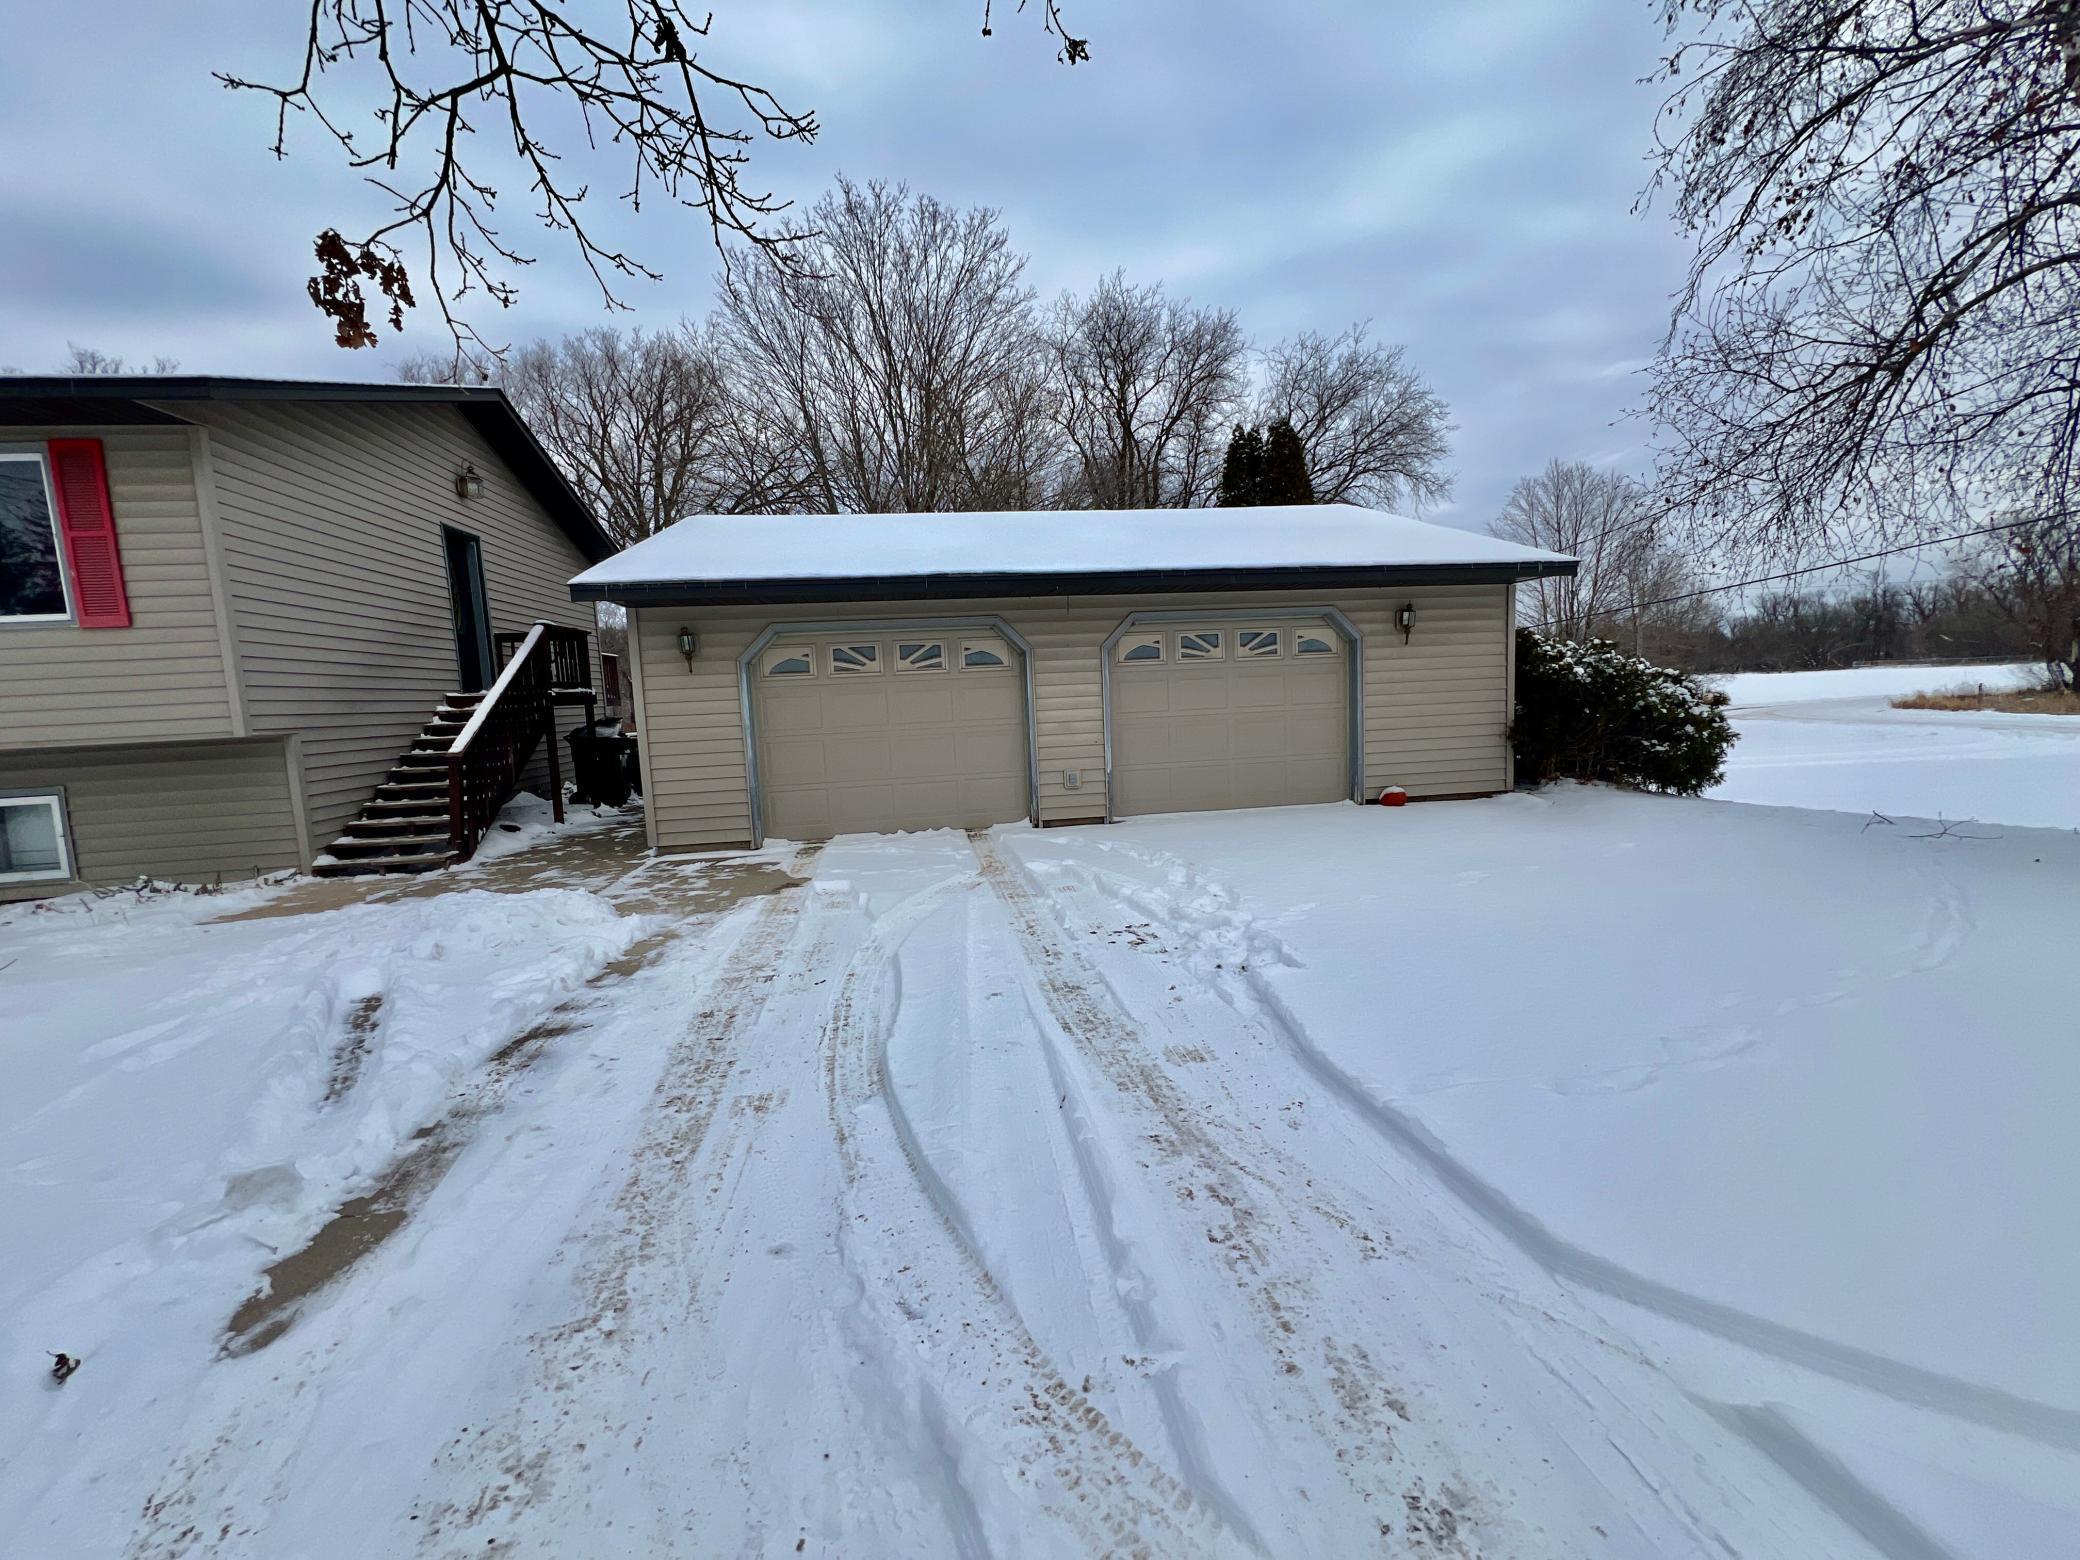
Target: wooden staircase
(465,764)
(405,827)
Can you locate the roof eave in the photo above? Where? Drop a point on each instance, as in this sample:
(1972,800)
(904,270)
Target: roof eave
(1122,582)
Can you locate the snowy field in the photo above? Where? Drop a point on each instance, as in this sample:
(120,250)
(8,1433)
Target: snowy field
(1578,1174)
(1833,740)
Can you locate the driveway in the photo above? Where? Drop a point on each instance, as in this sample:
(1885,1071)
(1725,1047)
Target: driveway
(979,1194)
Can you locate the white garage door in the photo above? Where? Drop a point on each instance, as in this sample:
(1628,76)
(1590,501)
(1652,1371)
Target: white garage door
(866,733)
(1229,713)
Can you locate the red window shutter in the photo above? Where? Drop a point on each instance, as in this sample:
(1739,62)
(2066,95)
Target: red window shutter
(89,524)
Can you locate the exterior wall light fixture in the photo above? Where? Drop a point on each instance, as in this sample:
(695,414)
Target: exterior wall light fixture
(688,643)
(469,482)
(1405,620)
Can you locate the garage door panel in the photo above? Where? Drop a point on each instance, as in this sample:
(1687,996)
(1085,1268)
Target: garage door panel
(921,700)
(1248,732)
(1140,693)
(1198,689)
(1199,738)
(876,751)
(924,755)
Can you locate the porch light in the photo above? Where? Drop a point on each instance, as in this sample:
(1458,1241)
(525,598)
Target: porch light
(688,643)
(1405,620)
(468,481)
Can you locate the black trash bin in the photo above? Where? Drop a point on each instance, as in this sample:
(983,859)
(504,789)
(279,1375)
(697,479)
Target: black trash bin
(603,764)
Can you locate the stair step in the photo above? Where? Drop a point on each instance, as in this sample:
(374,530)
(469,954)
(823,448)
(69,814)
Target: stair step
(397,790)
(372,866)
(392,823)
(446,728)
(404,807)
(463,701)
(377,845)
(421,759)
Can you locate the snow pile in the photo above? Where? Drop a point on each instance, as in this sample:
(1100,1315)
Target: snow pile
(192,1097)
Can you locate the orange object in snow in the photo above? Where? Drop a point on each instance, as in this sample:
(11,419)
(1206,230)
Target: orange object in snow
(1393,796)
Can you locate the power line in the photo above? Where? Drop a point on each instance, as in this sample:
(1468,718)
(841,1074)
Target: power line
(1820,568)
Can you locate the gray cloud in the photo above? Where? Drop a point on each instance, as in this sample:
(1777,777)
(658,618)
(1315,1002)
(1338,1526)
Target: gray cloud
(1460,176)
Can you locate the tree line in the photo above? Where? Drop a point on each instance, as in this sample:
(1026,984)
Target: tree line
(907,366)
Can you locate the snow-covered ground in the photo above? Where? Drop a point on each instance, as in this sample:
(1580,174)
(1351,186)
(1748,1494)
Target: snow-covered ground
(1580,1174)
(1833,740)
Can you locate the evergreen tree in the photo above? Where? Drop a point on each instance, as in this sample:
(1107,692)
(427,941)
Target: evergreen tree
(1242,473)
(1284,479)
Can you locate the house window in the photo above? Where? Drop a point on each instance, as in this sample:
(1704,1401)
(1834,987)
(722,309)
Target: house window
(790,661)
(32,839)
(1141,649)
(849,659)
(1202,644)
(920,655)
(1310,641)
(32,575)
(980,655)
(1258,642)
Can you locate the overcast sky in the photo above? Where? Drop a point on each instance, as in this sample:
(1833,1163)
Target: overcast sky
(1463,180)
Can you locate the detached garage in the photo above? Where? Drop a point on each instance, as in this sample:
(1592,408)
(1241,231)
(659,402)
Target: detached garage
(801,676)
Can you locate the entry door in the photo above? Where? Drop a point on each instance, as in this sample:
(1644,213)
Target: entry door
(472,618)
(1229,713)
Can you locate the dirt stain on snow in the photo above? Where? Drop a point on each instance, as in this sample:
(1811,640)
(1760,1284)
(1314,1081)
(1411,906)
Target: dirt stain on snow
(352,1050)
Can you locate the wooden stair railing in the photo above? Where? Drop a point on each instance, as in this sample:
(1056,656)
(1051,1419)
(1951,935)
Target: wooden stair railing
(544,667)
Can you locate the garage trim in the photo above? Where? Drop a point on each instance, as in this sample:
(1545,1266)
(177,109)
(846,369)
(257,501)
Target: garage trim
(988,622)
(1354,649)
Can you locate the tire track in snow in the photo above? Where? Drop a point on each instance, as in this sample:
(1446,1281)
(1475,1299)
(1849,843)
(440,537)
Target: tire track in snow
(518,1463)
(1119,1499)
(1337,1385)
(1993,1407)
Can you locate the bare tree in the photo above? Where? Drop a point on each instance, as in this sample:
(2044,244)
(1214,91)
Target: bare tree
(1372,431)
(1604,519)
(898,367)
(1881,329)
(541,80)
(1146,389)
(2032,575)
(85,361)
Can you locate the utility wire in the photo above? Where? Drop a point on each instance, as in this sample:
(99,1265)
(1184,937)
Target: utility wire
(1819,568)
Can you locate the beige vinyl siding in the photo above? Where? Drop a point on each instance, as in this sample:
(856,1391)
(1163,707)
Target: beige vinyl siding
(189,812)
(163,676)
(331,519)
(1436,709)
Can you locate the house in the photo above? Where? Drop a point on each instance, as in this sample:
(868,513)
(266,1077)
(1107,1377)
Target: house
(804,676)
(233,612)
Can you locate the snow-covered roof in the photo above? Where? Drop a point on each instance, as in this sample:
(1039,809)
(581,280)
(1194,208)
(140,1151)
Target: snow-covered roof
(722,551)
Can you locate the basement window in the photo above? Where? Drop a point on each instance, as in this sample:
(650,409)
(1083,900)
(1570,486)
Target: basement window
(32,839)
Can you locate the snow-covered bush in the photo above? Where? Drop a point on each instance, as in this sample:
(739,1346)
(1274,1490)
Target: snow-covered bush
(1591,712)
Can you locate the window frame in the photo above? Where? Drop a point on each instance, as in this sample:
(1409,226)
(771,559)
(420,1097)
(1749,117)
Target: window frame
(854,647)
(42,458)
(908,668)
(1219,651)
(1277,634)
(1140,640)
(777,653)
(54,799)
(997,647)
(1327,637)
